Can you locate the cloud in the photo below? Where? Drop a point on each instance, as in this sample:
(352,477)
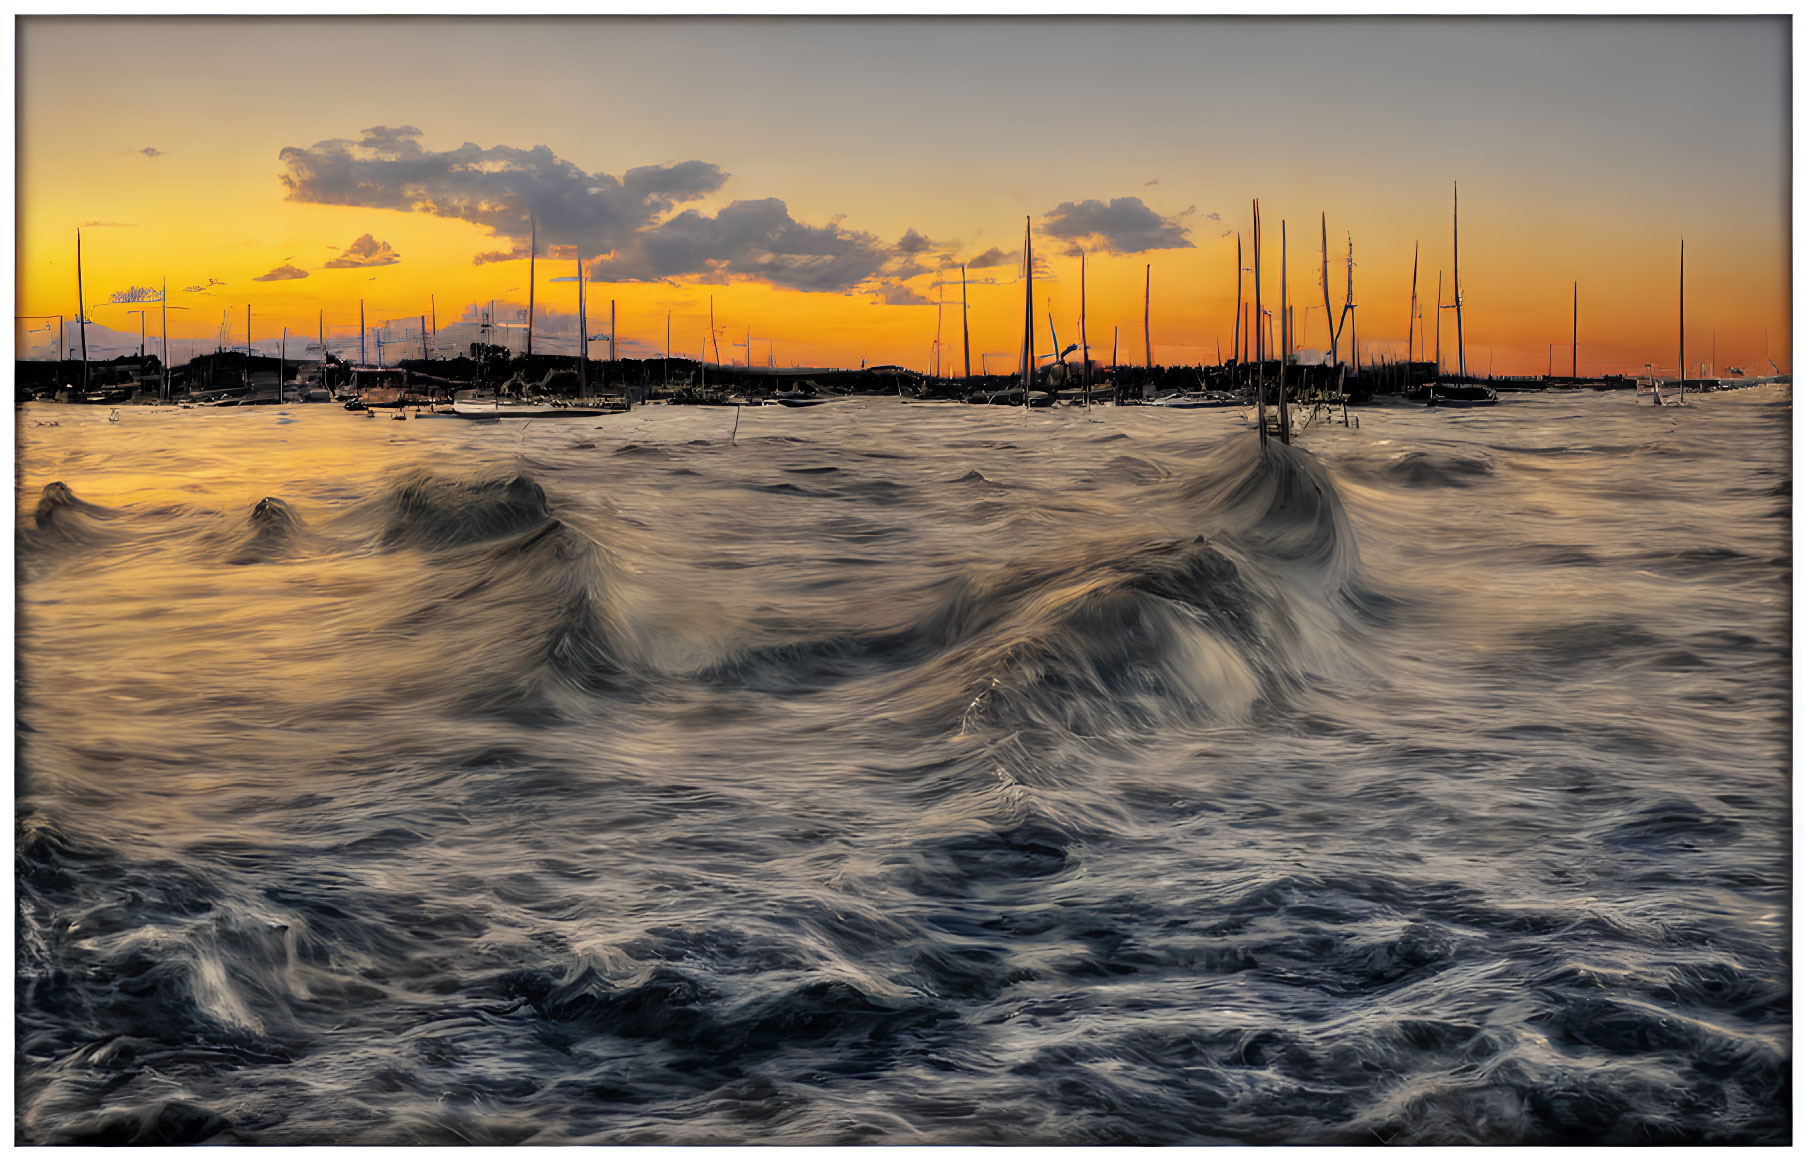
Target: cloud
(498,188)
(913,243)
(1152,182)
(1214,216)
(993,257)
(285,271)
(1122,226)
(366,251)
(903,296)
(151,151)
(635,226)
(758,238)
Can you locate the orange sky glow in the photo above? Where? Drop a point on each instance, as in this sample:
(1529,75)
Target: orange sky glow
(823,184)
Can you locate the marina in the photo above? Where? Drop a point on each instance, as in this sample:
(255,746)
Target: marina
(581,580)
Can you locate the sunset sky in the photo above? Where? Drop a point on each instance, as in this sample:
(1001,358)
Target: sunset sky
(818,177)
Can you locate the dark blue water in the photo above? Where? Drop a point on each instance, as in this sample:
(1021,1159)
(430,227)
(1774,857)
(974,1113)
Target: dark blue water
(892,773)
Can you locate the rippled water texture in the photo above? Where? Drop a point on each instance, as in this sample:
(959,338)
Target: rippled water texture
(905,773)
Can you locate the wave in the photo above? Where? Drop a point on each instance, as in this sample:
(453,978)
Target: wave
(64,520)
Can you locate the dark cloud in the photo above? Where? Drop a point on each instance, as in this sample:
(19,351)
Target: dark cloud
(366,251)
(903,296)
(993,257)
(498,188)
(913,243)
(285,271)
(633,225)
(151,151)
(500,255)
(758,238)
(1121,226)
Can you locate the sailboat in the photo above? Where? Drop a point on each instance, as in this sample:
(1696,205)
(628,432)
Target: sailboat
(1651,386)
(1458,395)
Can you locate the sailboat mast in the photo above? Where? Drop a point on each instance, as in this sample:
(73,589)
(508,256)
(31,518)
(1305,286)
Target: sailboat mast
(81,308)
(1575,332)
(583,333)
(712,336)
(1147,285)
(1260,392)
(164,300)
(1286,427)
(361,360)
(1411,317)
(1085,358)
(1681,324)
(1236,353)
(533,245)
(1439,372)
(940,304)
(1455,234)
(1334,328)
(1028,310)
(966,342)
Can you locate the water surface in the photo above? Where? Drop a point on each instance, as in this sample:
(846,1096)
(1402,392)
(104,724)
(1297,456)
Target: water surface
(899,773)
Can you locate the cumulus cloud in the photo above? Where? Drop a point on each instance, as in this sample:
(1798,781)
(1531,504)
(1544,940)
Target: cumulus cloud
(903,296)
(993,257)
(913,243)
(366,251)
(635,226)
(498,188)
(287,270)
(757,237)
(1121,226)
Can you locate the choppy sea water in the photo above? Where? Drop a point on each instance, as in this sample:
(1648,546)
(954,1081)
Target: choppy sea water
(904,773)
